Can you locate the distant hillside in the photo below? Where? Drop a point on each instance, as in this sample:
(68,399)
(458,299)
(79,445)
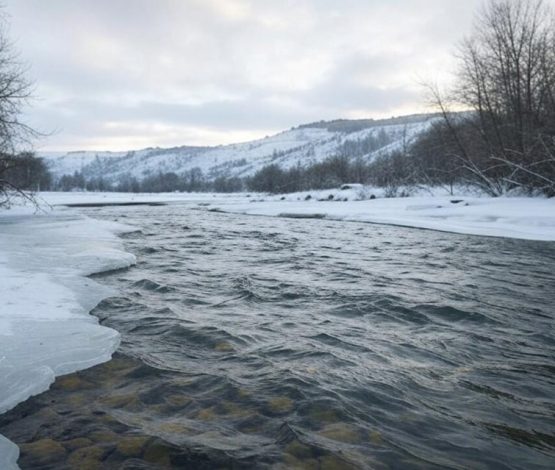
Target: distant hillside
(303,145)
(354,125)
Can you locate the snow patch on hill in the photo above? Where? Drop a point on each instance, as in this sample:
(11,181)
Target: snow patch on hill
(303,145)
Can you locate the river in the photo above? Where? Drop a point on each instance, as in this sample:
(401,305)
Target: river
(258,342)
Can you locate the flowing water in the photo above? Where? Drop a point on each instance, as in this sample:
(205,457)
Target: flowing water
(280,343)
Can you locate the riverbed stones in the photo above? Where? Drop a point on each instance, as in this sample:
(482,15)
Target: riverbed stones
(301,456)
(375,437)
(100,426)
(293,463)
(206,414)
(132,446)
(158,453)
(76,400)
(332,462)
(280,405)
(233,409)
(178,401)
(174,428)
(224,346)
(321,414)
(77,443)
(42,452)
(128,402)
(103,436)
(87,458)
(299,450)
(341,432)
(47,414)
(71,383)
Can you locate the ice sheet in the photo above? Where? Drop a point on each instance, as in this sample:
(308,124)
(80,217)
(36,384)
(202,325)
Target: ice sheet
(45,299)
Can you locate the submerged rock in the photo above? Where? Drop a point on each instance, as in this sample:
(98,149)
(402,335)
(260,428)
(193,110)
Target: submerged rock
(324,415)
(77,443)
(129,402)
(280,405)
(299,450)
(342,432)
(178,401)
(87,458)
(158,453)
(132,446)
(42,452)
(224,346)
(71,383)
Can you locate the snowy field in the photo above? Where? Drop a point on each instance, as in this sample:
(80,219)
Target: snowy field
(45,258)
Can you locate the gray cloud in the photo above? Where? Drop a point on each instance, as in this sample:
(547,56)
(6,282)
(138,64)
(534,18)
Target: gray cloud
(128,73)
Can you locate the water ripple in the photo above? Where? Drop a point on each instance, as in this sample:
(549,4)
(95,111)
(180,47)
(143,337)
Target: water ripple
(318,344)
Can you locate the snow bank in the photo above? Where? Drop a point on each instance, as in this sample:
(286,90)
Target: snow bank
(513,217)
(531,218)
(45,326)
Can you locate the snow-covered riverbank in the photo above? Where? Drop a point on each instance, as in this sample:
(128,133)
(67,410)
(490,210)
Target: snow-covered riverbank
(524,218)
(513,217)
(45,326)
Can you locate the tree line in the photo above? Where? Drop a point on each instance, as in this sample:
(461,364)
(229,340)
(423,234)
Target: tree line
(193,180)
(504,141)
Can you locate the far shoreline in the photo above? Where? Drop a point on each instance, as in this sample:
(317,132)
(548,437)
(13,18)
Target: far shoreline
(515,217)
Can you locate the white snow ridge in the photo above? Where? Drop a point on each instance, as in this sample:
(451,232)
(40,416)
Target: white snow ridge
(45,326)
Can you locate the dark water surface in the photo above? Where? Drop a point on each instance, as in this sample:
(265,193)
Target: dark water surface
(277,343)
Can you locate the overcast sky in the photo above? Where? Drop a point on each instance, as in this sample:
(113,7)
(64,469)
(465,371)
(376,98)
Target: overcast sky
(125,74)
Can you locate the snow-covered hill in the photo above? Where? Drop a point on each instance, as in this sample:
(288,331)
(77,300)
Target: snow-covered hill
(303,145)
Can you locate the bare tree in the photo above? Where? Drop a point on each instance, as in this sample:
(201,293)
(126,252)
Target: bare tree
(507,80)
(15,135)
